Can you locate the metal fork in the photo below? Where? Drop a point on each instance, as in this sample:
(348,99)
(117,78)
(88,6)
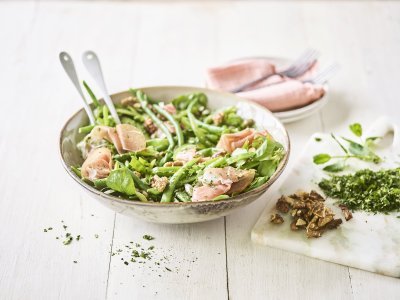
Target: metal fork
(297,68)
(322,76)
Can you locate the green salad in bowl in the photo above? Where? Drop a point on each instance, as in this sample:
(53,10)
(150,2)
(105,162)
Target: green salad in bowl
(179,155)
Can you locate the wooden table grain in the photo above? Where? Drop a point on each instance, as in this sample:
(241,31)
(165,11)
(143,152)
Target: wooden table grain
(170,43)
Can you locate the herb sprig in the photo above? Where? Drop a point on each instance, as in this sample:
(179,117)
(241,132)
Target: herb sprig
(362,150)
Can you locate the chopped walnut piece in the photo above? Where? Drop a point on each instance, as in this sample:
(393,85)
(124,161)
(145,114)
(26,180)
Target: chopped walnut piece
(218,118)
(308,211)
(129,101)
(276,219)
(346,212)
(149,126)
(177,163)
(159,183)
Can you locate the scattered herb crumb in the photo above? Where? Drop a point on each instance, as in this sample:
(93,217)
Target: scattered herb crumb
(168,269)
(318,139)
(126,263)
(68,239)
(150,248)
(65,227)
(50,228)
(96,236)
(45,230)
(148,237)
(75,262)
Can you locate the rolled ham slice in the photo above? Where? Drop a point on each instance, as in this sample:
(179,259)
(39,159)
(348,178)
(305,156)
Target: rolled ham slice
(230,76)
(97,165)
(132,139)
(285,95)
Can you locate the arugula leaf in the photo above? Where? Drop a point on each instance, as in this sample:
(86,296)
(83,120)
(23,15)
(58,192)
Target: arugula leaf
(356,129)
(336,167)
(267,168)
(121,181)
(321,158)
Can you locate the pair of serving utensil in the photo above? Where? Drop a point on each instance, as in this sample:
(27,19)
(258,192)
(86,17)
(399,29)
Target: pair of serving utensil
(92,64)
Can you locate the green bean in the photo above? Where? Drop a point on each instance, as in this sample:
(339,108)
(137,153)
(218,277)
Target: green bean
(197,132)
(183,196)
(168,193)
(100,183)
(136,116)
(105,115)
(210,128)
(242,156)
(138,181)
(187,180)
(91,94)
(217,163)
(86,129)
(220,197)
(170,118)
(165,171)
(158,144)
(157,121)
(77,171)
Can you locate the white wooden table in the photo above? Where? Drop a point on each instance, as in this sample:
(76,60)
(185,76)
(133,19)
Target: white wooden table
(160,43)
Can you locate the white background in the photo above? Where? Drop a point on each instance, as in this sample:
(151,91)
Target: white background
(161,43)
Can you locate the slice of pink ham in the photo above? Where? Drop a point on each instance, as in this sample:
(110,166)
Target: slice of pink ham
(114,138)
(186,154)
(245,177)
(285,95)
(216,176)
(231,141)
(98,164)
(219,181)
(230,76)
(170,108)
(132,139)
(207,192)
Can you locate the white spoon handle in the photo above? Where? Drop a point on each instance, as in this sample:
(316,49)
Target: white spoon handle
(92,64)
(68,65)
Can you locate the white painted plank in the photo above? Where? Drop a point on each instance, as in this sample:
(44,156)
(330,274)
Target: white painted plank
(174,44)
(35,191)
(259,272)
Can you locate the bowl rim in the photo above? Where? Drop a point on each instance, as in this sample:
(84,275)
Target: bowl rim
(237,198)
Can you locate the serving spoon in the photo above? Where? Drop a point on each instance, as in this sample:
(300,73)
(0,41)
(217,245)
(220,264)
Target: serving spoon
(68,65)
(92,64)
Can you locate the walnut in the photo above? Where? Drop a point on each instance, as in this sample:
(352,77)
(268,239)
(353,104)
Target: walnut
(301,223)
(346,212)
(308,211)
(149,126)
(177,163)
(218,118)
(159,183)
(129,101)
(282,205)
(276,219)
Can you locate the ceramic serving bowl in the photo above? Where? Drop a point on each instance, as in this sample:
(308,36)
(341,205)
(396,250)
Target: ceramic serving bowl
(182,212)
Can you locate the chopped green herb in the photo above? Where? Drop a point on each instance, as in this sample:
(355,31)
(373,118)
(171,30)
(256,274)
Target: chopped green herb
(148,237)
(50,228)
(65,227)
(68,240)
(151,248)
(318,139)
(45,230)
(78,237)
(126,263)
(75,262)
(367,190)
(168,269)
(96,236)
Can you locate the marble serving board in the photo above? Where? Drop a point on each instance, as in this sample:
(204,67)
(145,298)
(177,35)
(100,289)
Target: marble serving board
(369,242)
